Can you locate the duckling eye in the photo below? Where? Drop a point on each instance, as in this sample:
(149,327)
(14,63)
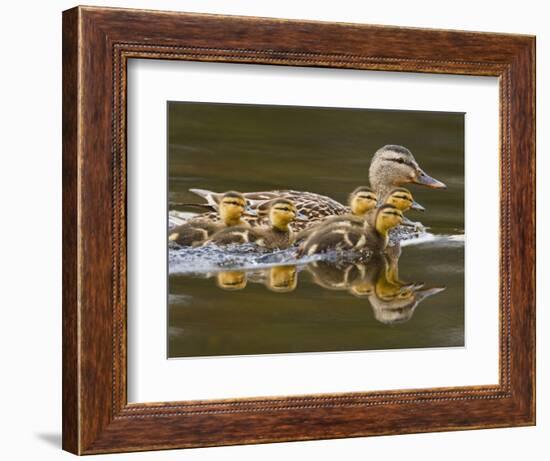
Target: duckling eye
(234,203)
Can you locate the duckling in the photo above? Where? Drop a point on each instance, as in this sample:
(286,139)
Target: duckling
(391,166)
(402,199)
(361,201)
(373,236)
(399,197)
(231,210)
(279,235)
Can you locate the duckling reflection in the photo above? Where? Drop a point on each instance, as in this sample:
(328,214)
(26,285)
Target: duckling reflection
(231,280)
(392,300)
(282,279)
(336,275)
(398,306)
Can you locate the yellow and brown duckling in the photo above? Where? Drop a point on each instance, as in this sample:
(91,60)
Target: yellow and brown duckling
(231,210)
(372,236)
(402,199)
(282,212)
(361,201)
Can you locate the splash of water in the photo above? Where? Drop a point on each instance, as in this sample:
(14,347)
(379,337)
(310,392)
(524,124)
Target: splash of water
(212,258)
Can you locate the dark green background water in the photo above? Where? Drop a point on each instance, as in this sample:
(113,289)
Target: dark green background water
(248,148)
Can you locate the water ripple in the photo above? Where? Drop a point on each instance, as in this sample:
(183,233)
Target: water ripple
(212,258)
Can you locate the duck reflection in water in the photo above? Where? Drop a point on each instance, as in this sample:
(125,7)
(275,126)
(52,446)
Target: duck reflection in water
(231,280)
(392,300)
(280,279)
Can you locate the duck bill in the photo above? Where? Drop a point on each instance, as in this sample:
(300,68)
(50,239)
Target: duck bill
(427,292)
(423,179)
(416,206)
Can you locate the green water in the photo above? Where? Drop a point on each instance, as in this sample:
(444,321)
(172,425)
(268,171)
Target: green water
(249,148)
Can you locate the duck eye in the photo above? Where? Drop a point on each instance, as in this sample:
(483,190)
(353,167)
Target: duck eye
(400,160)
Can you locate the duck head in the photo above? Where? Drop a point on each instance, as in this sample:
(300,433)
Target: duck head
(361,200)
(394,166)
(232,208)
(403,200)
(281,213)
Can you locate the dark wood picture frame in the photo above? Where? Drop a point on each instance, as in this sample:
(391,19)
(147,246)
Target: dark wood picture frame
(97,44)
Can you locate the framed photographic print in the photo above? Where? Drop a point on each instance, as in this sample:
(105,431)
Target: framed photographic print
(284,230)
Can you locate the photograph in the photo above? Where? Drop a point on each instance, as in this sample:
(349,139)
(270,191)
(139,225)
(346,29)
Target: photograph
(299,229)
(275,230)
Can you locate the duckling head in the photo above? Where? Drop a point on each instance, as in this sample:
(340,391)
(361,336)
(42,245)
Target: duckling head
(281,213)
(395,166)
(397,305)
(361,200)
(231,280)
(387,217)
(403,200)
(232,206)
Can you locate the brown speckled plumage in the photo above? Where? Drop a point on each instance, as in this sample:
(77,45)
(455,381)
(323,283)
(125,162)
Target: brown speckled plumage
(313,207)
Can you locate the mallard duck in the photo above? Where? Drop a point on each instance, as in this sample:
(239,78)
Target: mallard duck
(391,166)
(278,235)
(371,234)
(231,210)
